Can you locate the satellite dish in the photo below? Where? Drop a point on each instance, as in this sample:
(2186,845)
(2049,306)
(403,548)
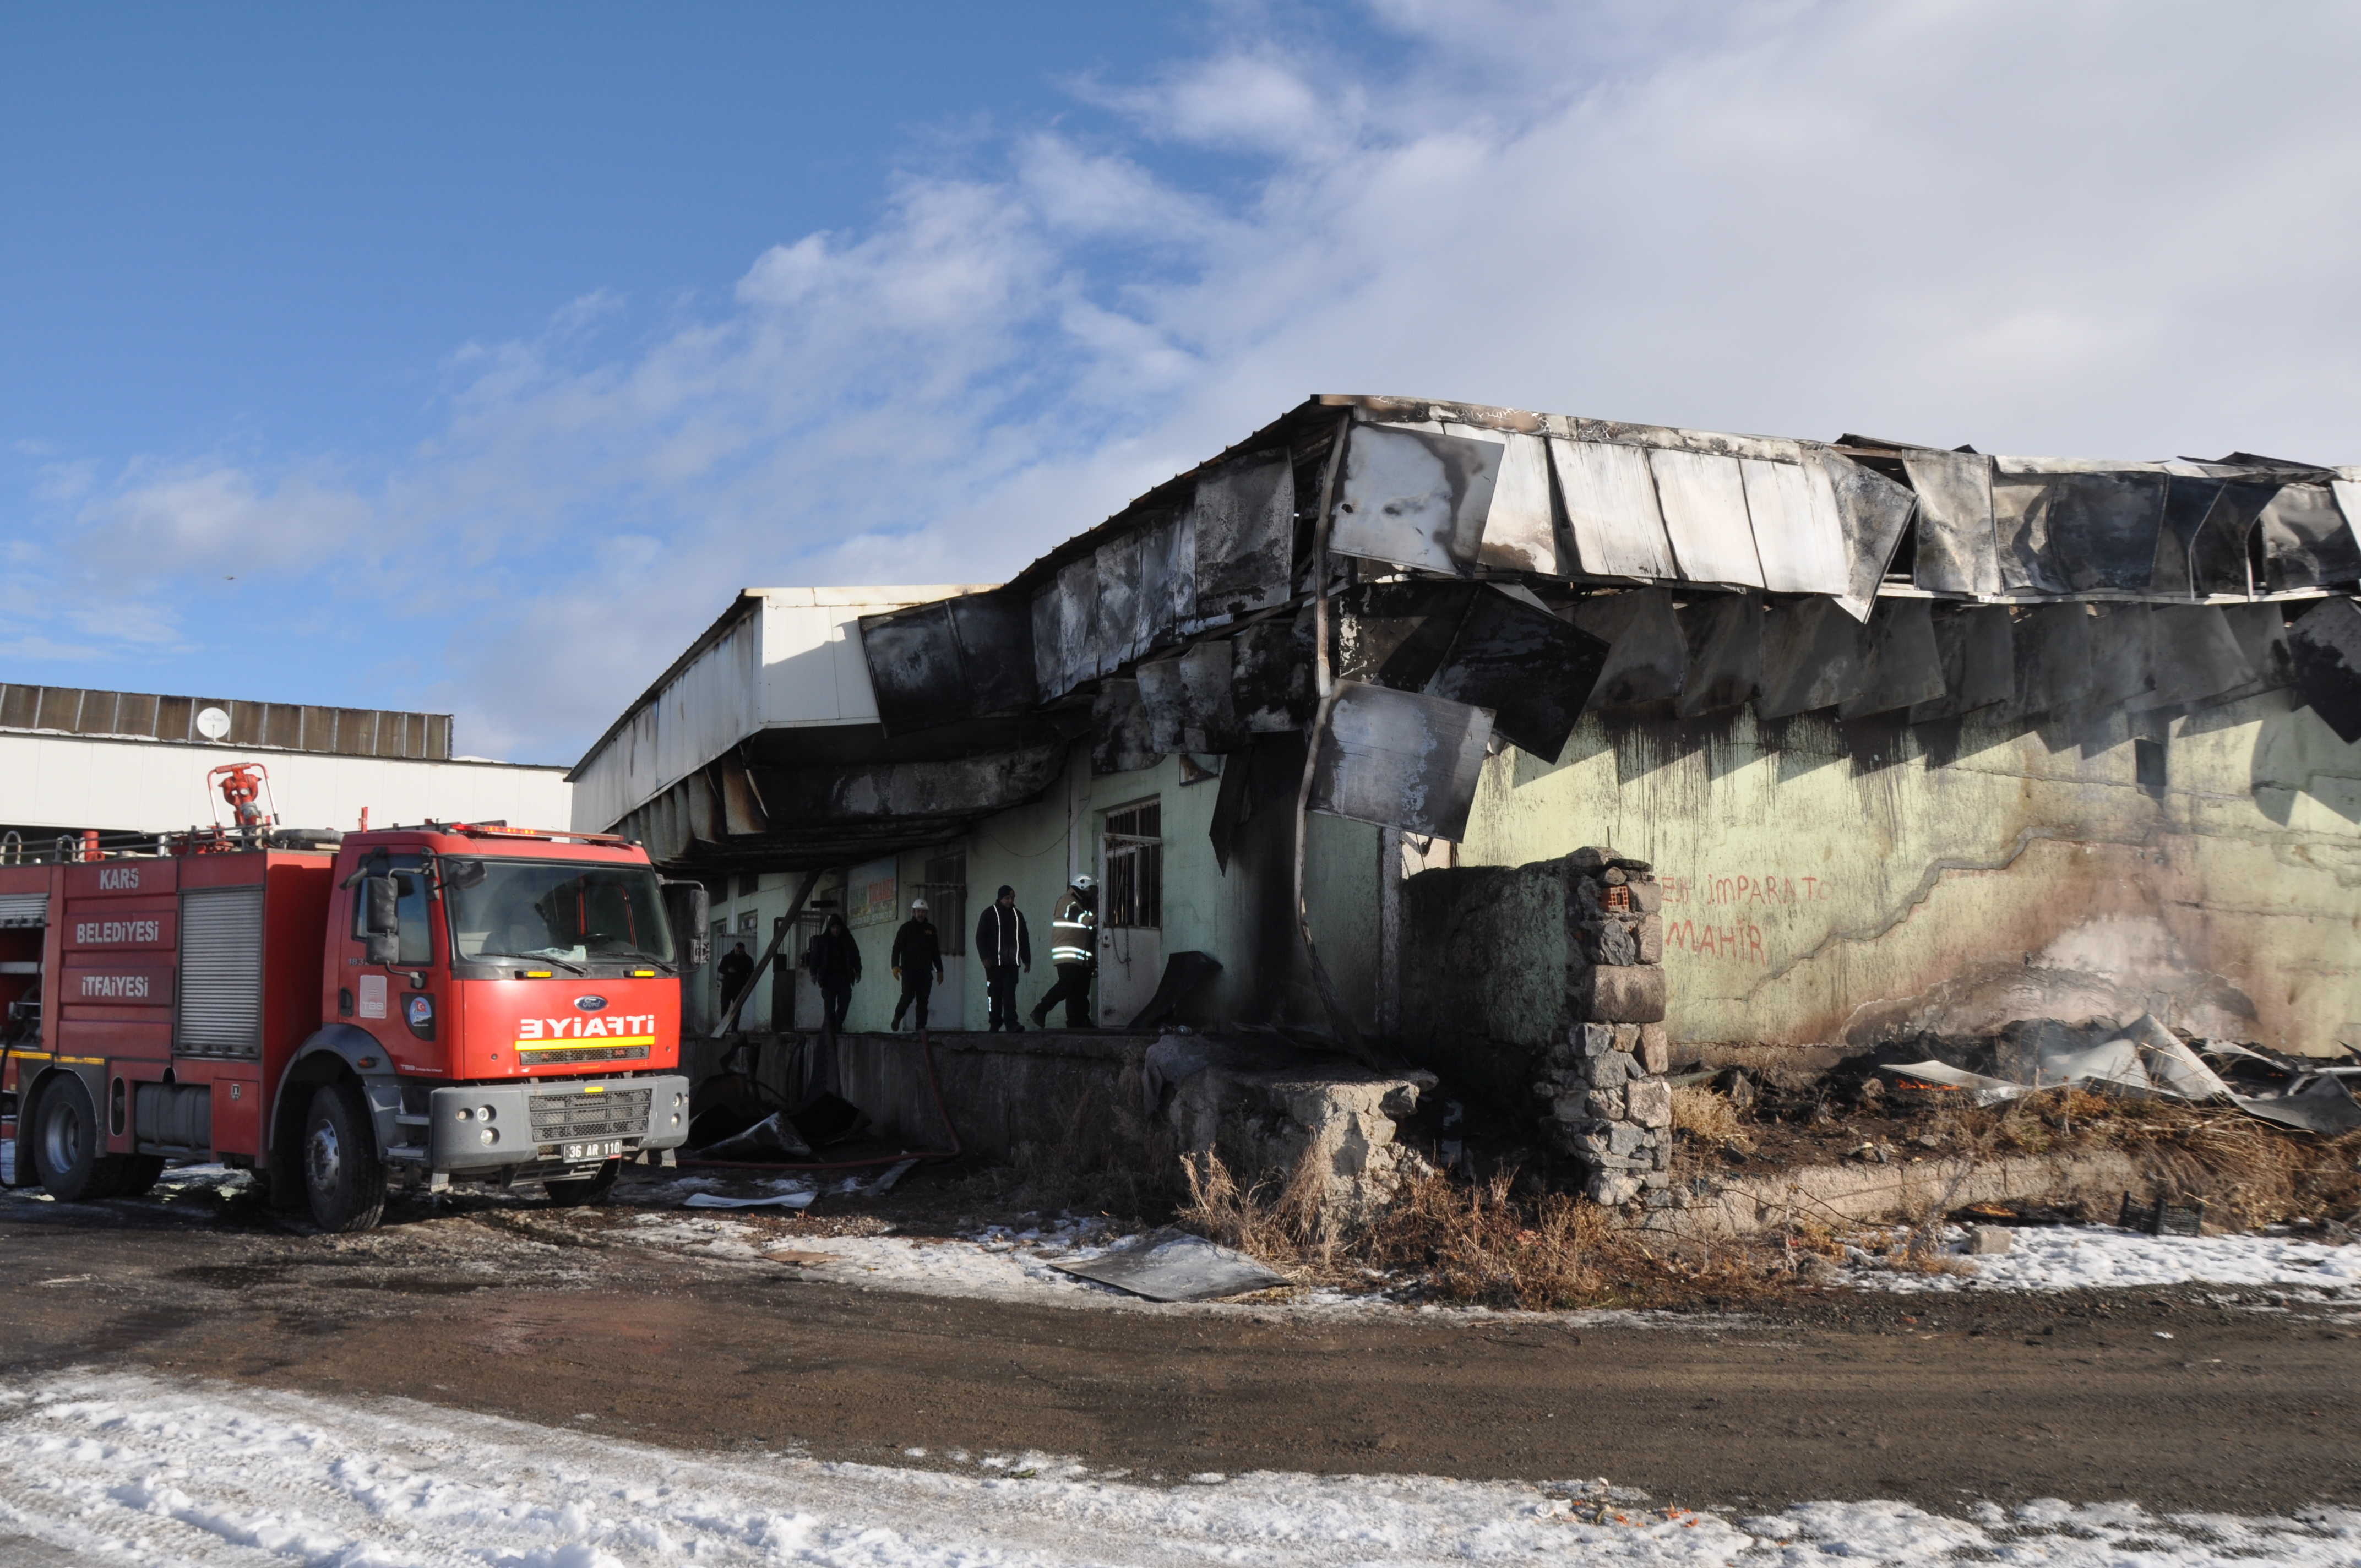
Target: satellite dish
(213,723)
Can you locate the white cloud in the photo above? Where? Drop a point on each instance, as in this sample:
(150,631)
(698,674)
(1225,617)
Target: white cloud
(2112,229)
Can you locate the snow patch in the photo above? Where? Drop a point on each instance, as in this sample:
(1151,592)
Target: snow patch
(143,1471)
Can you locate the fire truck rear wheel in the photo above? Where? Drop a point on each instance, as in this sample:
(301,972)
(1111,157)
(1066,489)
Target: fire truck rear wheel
(66,1147)
(342,1175)
(585,1189)
(139,1174)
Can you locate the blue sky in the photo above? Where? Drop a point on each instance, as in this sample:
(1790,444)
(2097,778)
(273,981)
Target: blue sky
(470,357)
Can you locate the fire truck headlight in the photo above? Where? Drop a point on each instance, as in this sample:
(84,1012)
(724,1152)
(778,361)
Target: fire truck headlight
(484,1114)
(676,1121)
(490,1136)
(463,1114)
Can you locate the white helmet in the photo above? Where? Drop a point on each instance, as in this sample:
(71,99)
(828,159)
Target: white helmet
(917,905)
(1085,883)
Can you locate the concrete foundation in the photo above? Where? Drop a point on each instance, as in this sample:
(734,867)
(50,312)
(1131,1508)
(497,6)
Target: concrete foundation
(1321,1127)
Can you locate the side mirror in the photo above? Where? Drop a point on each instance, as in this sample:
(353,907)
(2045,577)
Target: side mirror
(381,899)
(381,920)
(690,906)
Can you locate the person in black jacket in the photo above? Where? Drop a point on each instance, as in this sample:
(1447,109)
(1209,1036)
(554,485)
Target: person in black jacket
(1003,944)
(734,972)
(917,961)
(834,959)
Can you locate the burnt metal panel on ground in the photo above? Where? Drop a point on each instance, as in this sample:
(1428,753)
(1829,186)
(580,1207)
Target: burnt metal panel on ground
(1905,665)
(1872,510)
(1815,655)
(1611,511)
(1400,759)
(2104,528)
(1725,639)
(1242,536)
(1647,658)
(1532,670)
(1120,736)
(1977,646)
(1704,502)
(2326,643)
(1798,537)
(1520,529)
(1415,498)
(2306,543)
(1956,553)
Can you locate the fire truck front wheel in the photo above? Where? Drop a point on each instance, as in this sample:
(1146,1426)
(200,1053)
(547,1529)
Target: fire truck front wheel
(342,1174)
(66,1147)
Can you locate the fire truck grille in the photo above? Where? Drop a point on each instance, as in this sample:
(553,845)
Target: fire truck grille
(593,1053)
(571,1118)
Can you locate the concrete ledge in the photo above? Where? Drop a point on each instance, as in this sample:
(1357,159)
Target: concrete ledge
(1865,1194)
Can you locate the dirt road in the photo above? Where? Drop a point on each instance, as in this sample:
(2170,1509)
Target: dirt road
(1852,1395)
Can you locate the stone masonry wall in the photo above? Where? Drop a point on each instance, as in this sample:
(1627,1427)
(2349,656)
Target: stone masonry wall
(1608,1105)
(1540,989)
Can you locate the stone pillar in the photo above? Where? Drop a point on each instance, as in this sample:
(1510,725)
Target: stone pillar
(1605,1101)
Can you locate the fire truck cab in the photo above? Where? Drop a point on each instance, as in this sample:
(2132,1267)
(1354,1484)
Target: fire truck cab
(410,1008)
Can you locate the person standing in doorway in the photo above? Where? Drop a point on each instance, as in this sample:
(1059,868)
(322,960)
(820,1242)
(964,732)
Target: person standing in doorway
(917,961)
(1006,945)
(735,969)
(1074,949)
(834,959)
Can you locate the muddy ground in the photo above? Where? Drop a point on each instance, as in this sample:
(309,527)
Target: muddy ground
(550,1316)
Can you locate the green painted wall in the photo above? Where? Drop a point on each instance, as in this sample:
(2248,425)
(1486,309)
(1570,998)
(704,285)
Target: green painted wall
(1814,896)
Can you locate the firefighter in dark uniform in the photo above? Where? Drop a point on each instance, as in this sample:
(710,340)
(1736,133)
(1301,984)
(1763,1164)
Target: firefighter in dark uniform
(917,961)
(735,971)
(1005,945)
(834,959)
(1074,948)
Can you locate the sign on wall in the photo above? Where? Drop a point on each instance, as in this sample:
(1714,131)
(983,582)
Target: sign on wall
(871,893)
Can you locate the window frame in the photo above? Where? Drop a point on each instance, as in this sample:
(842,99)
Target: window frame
(1131,867)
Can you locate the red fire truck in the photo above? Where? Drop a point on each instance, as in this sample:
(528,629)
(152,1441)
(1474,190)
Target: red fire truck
(408,1007)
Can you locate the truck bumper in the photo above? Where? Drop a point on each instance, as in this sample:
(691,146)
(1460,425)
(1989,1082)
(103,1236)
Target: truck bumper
(570,1121)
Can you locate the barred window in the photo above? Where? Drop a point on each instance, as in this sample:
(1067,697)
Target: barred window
(1135,866)
(945,891)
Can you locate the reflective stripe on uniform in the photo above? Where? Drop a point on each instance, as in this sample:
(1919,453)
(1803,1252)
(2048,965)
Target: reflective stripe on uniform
(1072,939)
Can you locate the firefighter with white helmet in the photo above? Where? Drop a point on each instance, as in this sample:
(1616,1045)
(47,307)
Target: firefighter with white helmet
(1074,949)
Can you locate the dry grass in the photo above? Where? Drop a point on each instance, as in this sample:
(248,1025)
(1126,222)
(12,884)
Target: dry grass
(1482,1243)
(1707,1116)
(2249,1172)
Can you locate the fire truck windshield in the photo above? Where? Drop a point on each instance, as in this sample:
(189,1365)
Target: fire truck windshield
(569,913)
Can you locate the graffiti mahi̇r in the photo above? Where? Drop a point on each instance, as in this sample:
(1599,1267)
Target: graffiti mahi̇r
(1741,940)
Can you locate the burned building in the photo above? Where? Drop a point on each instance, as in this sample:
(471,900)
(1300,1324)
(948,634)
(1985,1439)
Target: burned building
(1898,737)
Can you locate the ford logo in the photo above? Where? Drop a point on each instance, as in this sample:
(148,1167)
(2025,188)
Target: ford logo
(590,1004)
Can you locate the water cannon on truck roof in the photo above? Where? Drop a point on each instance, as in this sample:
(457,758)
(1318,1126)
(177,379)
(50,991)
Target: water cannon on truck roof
(401,1007)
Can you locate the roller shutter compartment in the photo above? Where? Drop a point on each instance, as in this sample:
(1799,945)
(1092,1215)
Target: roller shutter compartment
(220,1011)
